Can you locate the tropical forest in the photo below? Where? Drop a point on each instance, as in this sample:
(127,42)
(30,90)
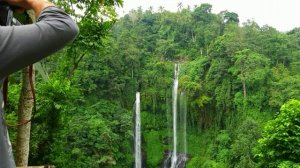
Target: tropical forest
(160,89)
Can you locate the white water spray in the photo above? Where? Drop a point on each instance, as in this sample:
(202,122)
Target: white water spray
(183,119)
(137,147)
(174,105)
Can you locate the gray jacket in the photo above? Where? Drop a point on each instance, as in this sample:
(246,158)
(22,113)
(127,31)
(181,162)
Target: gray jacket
(21,46)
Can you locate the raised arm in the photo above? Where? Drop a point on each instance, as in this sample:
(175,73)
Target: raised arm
(21,46)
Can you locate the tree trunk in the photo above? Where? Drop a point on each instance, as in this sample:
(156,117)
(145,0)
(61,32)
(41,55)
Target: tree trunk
(26,104)
(244,89)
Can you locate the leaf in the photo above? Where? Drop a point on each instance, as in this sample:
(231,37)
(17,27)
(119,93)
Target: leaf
(38,66)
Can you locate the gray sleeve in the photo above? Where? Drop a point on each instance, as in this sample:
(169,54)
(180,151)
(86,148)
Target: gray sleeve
(6,156)
(24,45)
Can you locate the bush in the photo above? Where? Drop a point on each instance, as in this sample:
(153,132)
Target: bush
(242,155)
(280,144)
(98,136)
(154,148)
(288,164)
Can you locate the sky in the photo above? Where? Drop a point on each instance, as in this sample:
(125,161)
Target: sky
(284,15)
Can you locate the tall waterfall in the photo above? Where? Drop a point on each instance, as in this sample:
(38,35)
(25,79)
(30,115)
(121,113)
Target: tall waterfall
(182,157)
(174,108)
(178,157)
(182,123)
(137,143)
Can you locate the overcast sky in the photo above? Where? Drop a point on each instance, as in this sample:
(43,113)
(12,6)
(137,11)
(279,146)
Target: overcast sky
(284,15)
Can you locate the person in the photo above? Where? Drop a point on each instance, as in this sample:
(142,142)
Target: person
(21,46)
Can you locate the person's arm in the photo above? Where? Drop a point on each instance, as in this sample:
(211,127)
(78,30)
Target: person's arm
(21,46)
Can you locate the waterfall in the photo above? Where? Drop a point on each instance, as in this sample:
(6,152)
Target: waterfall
(174,108)
(178,157)
(183,113)
(182,157)
(137,144)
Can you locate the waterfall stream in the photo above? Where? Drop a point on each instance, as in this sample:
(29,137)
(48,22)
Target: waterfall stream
(182,123)
(177,158)
(137,143)
(174,108)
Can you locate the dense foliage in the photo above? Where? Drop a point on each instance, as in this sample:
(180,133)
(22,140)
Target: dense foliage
(281,139)
(236,78)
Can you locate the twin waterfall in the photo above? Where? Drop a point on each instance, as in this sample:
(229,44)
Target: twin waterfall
(178,157)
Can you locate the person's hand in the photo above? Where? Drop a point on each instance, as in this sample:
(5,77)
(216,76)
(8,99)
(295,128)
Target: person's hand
(36,5)
(25,4)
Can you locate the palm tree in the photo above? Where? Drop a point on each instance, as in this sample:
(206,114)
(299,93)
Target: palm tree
(151,9)
(161,9)
(180,5)
(188,7)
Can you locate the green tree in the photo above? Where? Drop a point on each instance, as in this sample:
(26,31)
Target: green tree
(249,67)
(283,86)
(281,137)
(203,13)
(274,45)
(241,153)
(100,137)
(230,17)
